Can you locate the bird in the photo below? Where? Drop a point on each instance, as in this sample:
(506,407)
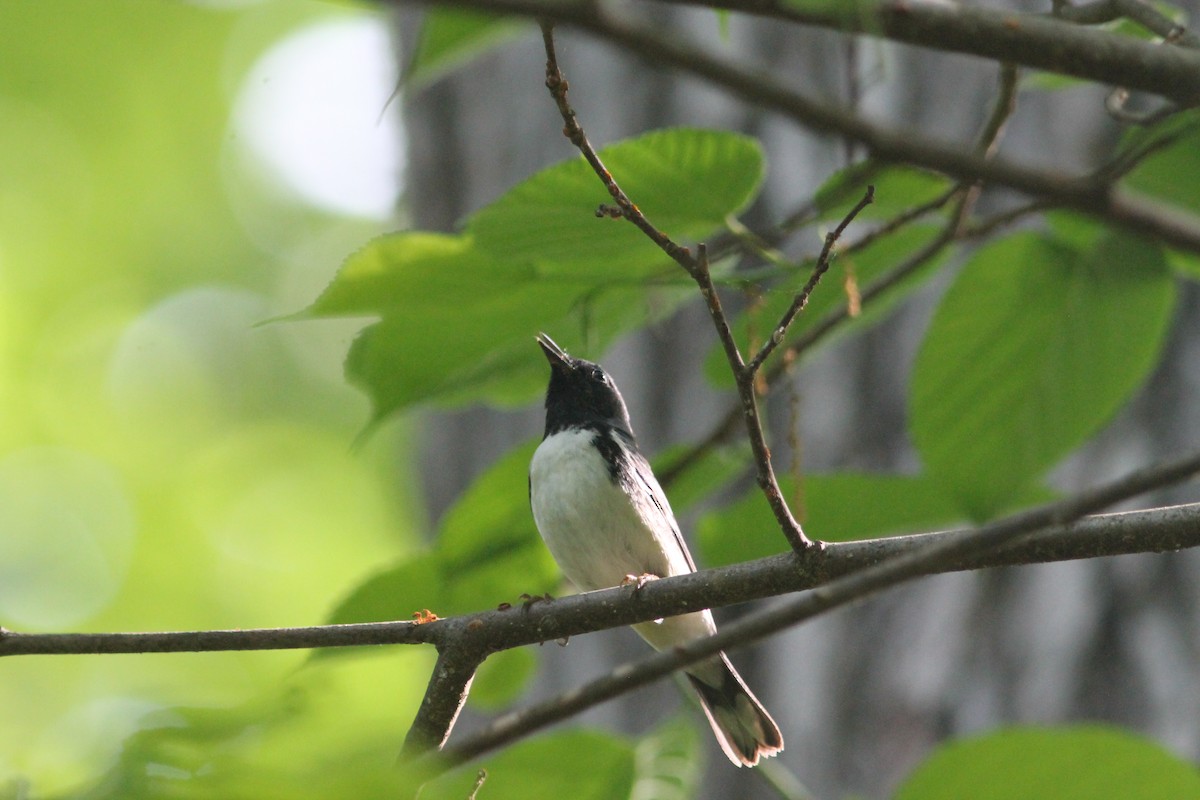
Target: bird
(607,522)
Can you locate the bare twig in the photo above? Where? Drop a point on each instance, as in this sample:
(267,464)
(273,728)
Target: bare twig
(697,268)
(1053,42)
(801,299)
(479,779)
(745,378)
(556,82)
(13,643)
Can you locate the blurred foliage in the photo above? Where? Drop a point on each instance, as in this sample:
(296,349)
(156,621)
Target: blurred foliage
(168,462)
(165,462)
(1069,763)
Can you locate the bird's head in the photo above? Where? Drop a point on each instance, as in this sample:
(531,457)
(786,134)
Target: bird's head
(580,392)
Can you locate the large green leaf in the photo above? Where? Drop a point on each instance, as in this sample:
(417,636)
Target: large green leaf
(488,540)
(1033,348)
(1075,763)
(458,313)
(685,180)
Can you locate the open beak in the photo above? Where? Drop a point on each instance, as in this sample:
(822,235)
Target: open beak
(557,357)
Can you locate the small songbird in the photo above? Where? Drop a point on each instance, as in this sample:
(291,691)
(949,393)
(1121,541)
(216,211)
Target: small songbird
(606,521)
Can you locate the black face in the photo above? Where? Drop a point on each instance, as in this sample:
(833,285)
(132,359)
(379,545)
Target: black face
(580,392)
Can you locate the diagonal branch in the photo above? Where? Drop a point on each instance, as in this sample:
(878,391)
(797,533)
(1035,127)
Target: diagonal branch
(929,557)
(444,698)
(801,298)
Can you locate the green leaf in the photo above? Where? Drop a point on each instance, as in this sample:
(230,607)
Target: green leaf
(833,507)
(845,506)
(669,761)
(1033,348)
(496,502)
(741,531)
(451,37)
(579,764)
(1071,763)
(897,189)
(393,594)
(487,552)
(685,180)
(704,477)
(488,543)
(862,268)
(458,313)
(393,274)
(502,678)
(1159,174)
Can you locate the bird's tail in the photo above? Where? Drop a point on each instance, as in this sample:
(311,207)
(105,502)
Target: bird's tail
(743,727)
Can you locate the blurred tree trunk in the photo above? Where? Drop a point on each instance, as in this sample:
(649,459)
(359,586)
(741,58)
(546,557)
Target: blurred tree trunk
(861,694)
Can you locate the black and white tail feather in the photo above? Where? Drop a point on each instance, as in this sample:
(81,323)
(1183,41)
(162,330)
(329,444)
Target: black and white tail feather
(604,517)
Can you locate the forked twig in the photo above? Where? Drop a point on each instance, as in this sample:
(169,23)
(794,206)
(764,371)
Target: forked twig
(801,299)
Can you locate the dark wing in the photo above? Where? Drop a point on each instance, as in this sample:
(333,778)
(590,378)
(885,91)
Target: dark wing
(650,498)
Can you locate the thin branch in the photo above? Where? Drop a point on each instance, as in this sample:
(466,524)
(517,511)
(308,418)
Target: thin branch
(13,643)
(1008,532)
(1142,13)
(801,299)
(1028,40)
(1002,110)
(745,379)
(556,82)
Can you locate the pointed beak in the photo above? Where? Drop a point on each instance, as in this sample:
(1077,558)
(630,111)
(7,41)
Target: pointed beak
(557,357)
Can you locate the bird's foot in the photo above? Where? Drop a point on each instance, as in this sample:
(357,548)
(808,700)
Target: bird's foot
(530,599)
(638,582)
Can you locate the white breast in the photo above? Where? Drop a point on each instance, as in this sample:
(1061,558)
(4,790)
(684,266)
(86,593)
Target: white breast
(596,535)
(586,520)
